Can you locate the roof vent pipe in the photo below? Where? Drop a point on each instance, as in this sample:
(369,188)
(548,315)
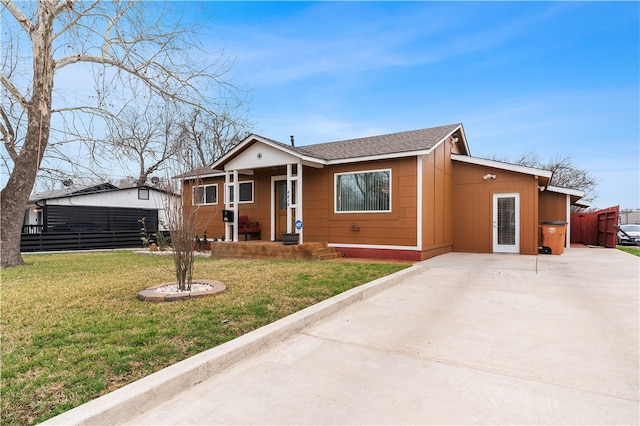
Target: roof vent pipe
(292,142)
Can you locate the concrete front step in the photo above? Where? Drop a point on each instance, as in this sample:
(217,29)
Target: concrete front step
(326,253)
(273,250)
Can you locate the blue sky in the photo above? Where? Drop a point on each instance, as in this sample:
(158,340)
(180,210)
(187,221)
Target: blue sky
(551,78)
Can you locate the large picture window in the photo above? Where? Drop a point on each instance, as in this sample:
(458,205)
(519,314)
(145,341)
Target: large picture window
(246,192)
(205,194)
(363,192)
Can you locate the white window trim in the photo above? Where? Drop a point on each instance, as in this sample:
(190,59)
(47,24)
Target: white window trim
(253,186)
(194,193)
(142,191)
(335,191)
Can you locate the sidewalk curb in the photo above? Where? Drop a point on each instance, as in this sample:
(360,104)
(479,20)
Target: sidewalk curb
(138,397)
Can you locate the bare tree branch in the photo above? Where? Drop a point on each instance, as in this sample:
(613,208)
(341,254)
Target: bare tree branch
(124,44)
(18,15)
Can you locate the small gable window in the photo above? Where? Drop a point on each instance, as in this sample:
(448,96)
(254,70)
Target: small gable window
(366,191)
(205,194)
(143,193)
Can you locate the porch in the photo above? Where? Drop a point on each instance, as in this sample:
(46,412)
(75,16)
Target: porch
(273,250)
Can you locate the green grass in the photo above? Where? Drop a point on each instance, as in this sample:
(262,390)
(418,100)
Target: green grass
(635,250)
(72,328)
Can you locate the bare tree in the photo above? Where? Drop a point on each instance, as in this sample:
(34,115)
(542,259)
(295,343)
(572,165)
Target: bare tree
(205,137)
(162,137)
(182,228)
(565,173)
(120,44)
(147,139)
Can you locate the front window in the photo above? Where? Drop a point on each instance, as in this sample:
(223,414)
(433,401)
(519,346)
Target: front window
(363,192)
(246,192)
(205,194)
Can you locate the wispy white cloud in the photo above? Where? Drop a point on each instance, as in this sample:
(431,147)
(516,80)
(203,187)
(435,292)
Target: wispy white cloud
(419,34)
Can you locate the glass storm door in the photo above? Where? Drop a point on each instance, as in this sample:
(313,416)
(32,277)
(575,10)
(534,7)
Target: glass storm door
(506,223)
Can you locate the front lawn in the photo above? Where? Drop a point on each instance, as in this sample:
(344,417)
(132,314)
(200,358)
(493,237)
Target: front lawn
(72,328)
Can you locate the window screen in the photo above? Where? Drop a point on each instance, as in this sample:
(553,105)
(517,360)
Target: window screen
(363,191)
(206,194)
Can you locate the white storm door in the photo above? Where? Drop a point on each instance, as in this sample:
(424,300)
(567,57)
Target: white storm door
(506,223)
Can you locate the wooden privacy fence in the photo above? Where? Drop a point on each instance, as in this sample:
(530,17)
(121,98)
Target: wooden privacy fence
(59,241)
(87,228)
(595,228)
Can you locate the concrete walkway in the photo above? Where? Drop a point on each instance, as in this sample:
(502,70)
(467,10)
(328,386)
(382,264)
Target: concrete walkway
(460,339)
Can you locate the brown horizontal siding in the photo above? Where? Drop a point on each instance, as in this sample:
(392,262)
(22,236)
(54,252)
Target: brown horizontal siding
(437,202)
(397,227)
(553,206)
(473,212)
(320,222)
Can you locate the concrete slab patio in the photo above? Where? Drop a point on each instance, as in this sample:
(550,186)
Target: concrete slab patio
(457,339)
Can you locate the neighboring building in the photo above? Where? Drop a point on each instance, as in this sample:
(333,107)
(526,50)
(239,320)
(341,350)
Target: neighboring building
(409,195)
(69,218)
(103,207)
(629,216)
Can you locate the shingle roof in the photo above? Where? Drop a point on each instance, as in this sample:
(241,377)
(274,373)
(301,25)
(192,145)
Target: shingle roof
(409,141)
(67,192)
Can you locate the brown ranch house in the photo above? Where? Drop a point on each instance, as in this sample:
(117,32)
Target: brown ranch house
(409,195)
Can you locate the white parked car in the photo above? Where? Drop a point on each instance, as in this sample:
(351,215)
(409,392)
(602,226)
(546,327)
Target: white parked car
(629,234)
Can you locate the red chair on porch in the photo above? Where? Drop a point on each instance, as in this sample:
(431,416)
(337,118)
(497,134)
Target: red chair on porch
(248,228)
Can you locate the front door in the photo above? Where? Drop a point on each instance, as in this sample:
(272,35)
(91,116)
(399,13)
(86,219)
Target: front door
(280,192)
(506,223)
(280,207)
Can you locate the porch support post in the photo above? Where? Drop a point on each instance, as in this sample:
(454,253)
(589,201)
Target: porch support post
(227,229)
(289,203)
(236,210)
(229,205)
(291,178)
(299,199)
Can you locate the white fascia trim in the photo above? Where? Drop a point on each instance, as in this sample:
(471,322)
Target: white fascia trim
(448,137)
(500,165)
(205,175)
(566,191)
(309,161)
(378,157)
(224,158)
(217,173)
(375,246)
(318,162)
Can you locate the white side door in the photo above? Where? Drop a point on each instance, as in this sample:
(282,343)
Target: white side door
(506,223)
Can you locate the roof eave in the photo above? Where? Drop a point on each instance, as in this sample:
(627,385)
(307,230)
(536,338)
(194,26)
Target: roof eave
(378,157)
(567,191)
(462,135)
(503,166)
(220,163)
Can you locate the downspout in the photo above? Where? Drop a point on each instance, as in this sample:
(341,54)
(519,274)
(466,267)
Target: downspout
(419,204)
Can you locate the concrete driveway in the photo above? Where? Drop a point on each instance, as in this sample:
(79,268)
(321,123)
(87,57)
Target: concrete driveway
(461,339)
